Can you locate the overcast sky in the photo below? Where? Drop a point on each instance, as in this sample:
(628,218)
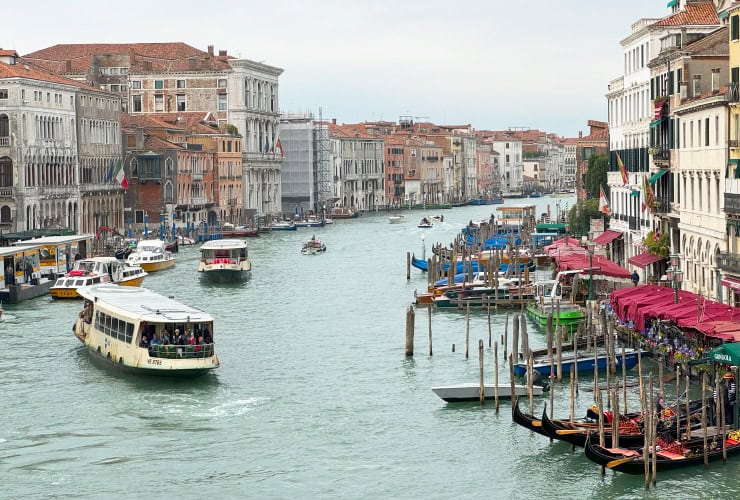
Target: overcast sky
(491,63)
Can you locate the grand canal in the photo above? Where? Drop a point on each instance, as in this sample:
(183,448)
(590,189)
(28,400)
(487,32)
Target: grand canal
(314,397)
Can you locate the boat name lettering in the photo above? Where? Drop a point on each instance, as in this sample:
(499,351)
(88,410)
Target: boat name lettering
(722,357)
(154,361)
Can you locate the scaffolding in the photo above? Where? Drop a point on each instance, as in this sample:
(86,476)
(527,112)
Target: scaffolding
(323,163)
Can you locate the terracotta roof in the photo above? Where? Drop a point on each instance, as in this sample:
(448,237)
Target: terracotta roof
(715,43)
(156,143)
(693,14)
(164,57)
(24,69)
(8,53)
(349,131)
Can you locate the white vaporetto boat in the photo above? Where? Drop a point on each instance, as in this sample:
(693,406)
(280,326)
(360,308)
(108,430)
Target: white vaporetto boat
(95,270)
(151,255)
(225,260)
(471,392)
(137,330)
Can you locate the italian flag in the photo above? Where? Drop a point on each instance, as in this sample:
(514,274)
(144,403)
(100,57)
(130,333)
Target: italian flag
(120,175)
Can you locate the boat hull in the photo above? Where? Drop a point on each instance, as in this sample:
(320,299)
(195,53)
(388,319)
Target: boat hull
(226,275)
(471,392)
(132,282)
(585,363)
(569,319)
(151,267)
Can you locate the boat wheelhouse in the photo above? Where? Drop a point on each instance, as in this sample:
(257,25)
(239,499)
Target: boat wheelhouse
(225,260)
(93,271)
(140,331)
(549,301)
(152,256)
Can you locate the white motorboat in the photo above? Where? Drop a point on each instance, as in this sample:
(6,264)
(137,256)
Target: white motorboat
(471,392)
(396,219)
(151,255)
(313,247)
(425,223)
(87,272)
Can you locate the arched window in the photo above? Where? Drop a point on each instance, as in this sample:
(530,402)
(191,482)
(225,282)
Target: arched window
(4,130)
(5,217)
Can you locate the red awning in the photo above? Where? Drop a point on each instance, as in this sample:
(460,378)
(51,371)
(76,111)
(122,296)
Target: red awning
(731,283)
(607,237)
(644,259)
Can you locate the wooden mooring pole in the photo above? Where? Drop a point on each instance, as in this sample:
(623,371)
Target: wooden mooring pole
(410,331)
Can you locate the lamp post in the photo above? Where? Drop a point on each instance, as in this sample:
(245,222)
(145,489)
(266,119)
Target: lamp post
(674,275)
(590,247)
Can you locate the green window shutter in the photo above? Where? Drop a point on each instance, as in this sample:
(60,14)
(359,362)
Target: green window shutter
(679,79)
(734,28)
(678,133)
(670,134)
(735,74)
(670,82)
(652,89)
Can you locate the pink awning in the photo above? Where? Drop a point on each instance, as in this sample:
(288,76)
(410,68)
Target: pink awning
(644,259)
(607,237)
(581,261)
(731,283)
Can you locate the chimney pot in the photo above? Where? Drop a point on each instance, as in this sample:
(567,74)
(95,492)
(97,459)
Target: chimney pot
(210,50)
(580,134)
(333,121)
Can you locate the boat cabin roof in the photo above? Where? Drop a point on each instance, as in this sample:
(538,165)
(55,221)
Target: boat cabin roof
(225,244)
(142,304)
(55,240)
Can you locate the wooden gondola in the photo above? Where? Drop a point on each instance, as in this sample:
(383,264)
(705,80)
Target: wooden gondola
(576,433)
(526,420)
(670,455)
(630,429)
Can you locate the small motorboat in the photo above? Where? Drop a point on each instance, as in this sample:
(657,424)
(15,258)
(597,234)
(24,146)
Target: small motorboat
(425,223)
(283,226)
(437,218)
(471,392)
(313,246)
(396,219)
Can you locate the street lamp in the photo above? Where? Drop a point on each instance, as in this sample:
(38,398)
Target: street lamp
(590,247)
(674,275)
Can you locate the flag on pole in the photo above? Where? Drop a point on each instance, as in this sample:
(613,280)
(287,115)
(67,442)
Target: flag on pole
(603,202)
(622,170)
(279,149)
(111,169)
(649,195)
(120,175)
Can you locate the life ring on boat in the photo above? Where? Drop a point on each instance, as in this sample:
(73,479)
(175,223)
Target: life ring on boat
(77,272)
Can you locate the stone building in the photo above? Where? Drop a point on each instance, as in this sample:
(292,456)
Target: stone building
(58,140)
(175,77)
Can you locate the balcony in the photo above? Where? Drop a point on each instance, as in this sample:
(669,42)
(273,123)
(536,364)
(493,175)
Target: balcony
(4,141)
(733,92)
(7,192)
(634,223)
(729,262)
(232,202)
(732,203)
(661,154)
(662,206)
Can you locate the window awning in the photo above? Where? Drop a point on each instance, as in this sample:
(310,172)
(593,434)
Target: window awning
(672,3)
(731,283)
(644,259)
(655,123)
(607,237)
(657,175)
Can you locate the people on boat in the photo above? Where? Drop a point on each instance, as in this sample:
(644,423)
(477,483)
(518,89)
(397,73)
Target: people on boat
(660,405)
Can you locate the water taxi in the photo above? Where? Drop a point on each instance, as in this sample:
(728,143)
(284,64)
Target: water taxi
(152,256)
(313,246)
(95,270)
(225,260)
(139,331)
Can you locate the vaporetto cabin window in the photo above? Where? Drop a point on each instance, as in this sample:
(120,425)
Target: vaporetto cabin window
(114,327)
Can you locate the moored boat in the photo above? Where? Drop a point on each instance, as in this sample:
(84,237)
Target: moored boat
(670,453)
(132,329)
(343,213)
(225,260)
(310,222)
(151,255)
(471,392)
(549,301)
(95,270)
(583,362)
(283,226)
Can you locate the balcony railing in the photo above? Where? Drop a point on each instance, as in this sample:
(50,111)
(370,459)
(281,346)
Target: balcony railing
(663,154)
(729,262)
(198,201)
(733,92)
(662,205)
(732,203)
(4,141)
(634,224)
(233,201)
(7,192)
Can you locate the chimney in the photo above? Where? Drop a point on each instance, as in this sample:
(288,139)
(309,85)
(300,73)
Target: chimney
(333,121)
(210,50)
(222,53)
(715,80)
(580,134)
(131,56)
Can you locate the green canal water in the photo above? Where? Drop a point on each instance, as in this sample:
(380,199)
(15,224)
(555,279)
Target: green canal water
(314,398)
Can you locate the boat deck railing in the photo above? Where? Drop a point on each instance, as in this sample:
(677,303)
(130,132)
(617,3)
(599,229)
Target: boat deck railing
(176,351)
